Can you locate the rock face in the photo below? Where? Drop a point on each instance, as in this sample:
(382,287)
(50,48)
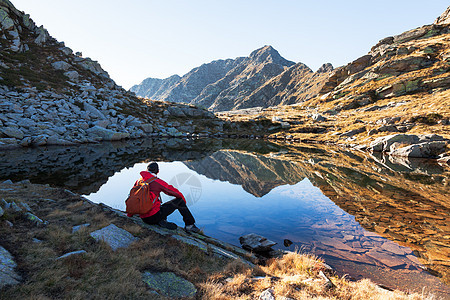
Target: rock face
(444,18)
(49,96)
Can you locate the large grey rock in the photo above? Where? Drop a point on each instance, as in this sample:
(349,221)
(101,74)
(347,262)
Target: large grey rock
(114,236)
(6,21)
(255,242)
(107,134)
(61,65)
(92,110)
(7,264)
(43,36)
(13,132)
(72,75)
(384,143)
(392,143)
(168,284)
(422,150)
(35,219)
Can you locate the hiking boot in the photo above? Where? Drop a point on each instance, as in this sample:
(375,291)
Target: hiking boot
(191,229)
(167,225)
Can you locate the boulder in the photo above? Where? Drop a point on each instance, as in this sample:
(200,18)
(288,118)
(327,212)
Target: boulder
(6,22)
(107,134)
(72,75)
(43,36)
(422,150)
(147,128)
(35,219)
(257,243)
(13,132)
(169,285)
(7,274)
(114,236)
(176,111)
(61,65)
(384,143)
(93,111)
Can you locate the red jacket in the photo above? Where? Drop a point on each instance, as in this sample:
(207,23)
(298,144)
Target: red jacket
(157,186)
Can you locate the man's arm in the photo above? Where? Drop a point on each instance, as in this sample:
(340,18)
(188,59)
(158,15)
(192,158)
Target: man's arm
(170,190)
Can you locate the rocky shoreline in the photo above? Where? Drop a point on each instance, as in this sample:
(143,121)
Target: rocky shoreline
(34,221)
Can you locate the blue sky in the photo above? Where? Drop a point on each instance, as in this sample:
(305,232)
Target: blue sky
(136,39)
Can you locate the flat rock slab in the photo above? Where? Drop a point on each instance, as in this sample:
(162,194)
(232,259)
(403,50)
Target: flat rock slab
(114,236)
(168,284)
(7,274)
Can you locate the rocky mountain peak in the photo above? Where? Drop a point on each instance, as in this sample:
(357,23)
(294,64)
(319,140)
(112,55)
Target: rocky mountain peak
(325,68)
(443,19)
(268,54)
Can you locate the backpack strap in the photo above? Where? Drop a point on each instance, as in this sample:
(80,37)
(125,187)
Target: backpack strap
(152,179)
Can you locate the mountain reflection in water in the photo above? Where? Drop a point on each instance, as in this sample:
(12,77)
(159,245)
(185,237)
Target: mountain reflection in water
(316,196)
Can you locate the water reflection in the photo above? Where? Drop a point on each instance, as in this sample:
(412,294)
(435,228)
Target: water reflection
(364,214)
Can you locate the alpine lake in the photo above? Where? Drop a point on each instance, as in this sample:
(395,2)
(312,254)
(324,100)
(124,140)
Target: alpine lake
(366,215)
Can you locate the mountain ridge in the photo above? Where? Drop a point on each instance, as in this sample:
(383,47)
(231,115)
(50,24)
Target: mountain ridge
(237,79)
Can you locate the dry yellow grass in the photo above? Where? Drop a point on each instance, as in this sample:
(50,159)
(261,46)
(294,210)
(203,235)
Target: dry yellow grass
(296,276)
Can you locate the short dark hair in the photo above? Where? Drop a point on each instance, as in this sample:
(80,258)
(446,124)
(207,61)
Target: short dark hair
(153,167)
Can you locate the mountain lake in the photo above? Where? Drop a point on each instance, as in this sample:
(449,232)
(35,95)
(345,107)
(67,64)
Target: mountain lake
(367,216)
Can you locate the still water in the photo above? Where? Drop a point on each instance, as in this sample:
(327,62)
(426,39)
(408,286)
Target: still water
(366,216)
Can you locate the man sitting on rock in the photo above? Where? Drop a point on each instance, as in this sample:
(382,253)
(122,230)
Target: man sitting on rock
(159,212)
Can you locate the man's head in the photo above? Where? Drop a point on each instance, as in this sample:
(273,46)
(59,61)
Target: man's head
(153,168)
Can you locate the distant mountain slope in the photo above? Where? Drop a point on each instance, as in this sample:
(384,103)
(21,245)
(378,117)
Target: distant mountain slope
(296,84)
(221,84)
(154,88)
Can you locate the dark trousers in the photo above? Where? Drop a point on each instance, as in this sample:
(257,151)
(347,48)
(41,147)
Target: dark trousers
(169,207)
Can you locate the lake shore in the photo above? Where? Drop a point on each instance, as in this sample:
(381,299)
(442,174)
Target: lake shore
(37,243)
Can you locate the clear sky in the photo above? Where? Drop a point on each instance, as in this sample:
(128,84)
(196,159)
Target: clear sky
(137,39)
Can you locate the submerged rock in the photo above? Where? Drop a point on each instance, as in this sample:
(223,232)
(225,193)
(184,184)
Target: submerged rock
(168,284)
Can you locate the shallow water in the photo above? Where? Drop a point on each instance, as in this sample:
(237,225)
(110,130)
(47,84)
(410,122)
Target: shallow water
(366,216)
